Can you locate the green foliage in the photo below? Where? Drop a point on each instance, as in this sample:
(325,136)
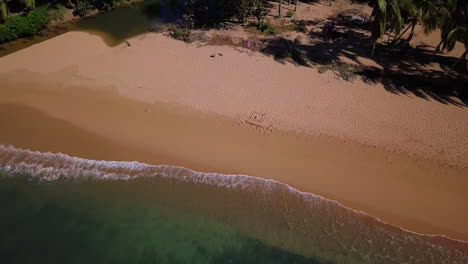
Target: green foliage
(289,13)
(103,5)
(387,17)
(450,16)
(82,8)
(200,13)
(244,8)
(211,12)
(455,27)
(57,12)
(30,4)
(266,28)
(391,15)
(26,25)
(259,11)
(290,27)
(180,33)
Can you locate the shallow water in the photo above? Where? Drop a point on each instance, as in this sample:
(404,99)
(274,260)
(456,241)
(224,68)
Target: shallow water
(114,26)
(94,223)
(63,209)
(122,23)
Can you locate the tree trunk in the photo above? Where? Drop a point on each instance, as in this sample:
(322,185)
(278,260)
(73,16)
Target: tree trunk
(373,49)
(279,8)
(4,12)
(295,5)
(462,57)
(329,3)
(289,2)
(397,38)
(70,4)
(413,26)
(437,49)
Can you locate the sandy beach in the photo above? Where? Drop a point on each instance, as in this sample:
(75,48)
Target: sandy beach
(400,158)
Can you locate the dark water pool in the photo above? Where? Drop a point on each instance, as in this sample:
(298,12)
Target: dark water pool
(114,26)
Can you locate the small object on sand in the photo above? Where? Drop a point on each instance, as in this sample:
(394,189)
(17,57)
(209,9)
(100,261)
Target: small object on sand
(128,43)
(212,55)
(220,54)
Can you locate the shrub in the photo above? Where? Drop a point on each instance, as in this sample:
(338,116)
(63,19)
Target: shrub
(104,5)
(82,8)
(259,11)
(30,4)
(266,28)
(180,33)
(26,25)
(290,13)
(211,12)
(57,12)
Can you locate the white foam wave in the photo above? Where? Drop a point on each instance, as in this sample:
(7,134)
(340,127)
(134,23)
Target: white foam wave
(334,217)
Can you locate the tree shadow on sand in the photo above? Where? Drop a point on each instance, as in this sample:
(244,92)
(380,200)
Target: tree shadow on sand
(343,45)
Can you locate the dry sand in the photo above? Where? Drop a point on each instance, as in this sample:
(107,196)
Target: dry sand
(359,144)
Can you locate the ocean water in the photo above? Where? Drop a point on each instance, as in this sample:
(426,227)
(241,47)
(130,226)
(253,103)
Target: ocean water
(61,209)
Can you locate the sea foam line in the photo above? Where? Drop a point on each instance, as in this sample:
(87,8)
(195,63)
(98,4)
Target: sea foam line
(52,167)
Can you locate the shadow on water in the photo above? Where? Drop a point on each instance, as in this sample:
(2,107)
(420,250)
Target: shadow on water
(95,223)
(114,26)
(122,23)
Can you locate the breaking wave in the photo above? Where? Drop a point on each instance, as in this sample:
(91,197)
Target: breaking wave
(346,232)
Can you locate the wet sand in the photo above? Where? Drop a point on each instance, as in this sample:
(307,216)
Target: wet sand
(161,102)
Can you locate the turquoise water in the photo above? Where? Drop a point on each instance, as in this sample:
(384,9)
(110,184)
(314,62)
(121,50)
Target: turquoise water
(90,223)
(61,209)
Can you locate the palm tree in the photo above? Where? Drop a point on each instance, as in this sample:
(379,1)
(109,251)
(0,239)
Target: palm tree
(442,20)
(426,12)
(461,34)
(386,17)
(456,29)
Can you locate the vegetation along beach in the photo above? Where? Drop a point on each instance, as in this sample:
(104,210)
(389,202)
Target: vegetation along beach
(234,131)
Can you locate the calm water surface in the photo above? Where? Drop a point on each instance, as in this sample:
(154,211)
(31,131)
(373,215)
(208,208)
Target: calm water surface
(114,26)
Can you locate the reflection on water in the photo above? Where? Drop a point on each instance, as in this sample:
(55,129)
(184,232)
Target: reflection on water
(122,23)
(115,26)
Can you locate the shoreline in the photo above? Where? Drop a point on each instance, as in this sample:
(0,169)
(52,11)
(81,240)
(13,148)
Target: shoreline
(330,168)
(287,211)
(128,171)
(94,104)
